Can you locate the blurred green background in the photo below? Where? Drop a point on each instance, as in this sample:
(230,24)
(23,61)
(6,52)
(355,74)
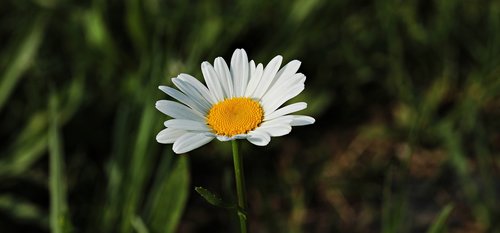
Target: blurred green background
(406,96)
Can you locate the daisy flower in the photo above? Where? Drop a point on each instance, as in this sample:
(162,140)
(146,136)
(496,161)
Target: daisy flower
(239,102)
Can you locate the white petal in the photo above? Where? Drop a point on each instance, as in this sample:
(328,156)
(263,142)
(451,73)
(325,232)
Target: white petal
(187,125)
(240,136)
(177,110)
(268,76)
(286,72)
(192,93)
(189,142)
(239,71)
(212,80)
(282,120)
(225,76)
(299,120)
(202,89)
(254,80)
(279,90)
(252,67)
(183,98)
(169,135)
(286,110)
(259,138)
(272,105)
(276,130)
(224,138)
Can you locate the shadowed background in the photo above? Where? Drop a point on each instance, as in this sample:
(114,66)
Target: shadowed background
(406,96)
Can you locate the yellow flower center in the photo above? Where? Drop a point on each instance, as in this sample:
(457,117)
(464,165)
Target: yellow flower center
(235,116)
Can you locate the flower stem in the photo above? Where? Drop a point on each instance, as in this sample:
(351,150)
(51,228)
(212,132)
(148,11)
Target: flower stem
(240,187)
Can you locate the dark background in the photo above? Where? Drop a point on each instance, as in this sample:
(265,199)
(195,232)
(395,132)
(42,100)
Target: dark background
(406,97)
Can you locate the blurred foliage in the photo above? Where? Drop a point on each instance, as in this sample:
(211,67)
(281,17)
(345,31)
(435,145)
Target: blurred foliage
(406,95)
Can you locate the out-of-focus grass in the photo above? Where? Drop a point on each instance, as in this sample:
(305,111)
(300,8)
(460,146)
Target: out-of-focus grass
(59,220)
(405,93)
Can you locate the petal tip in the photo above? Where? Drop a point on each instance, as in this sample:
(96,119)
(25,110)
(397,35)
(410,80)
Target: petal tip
(204,64)
(309,120)
(176,151)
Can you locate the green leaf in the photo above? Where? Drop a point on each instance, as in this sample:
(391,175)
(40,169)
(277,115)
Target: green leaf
(213,199)
(439,224)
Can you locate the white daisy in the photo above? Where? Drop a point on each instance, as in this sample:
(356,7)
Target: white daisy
(242,102)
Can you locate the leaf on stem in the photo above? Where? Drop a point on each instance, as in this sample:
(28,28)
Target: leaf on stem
(213,199)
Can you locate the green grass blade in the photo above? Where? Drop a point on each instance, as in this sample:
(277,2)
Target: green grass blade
(59,222)
(439,225)
(139,225)
(394,209)
(116,168)
(169,199)
(387,204)
(139,168)
(22,157)
(22,59)
(18,157)
(23,210)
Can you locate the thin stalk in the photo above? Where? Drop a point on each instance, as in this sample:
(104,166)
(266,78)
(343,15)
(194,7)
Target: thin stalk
(240,187)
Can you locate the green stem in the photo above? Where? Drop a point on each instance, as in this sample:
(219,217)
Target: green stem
(240,187)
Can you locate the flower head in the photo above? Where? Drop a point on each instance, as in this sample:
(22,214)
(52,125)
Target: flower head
(241,102)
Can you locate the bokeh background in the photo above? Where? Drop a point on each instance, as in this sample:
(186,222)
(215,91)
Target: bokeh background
(406,96)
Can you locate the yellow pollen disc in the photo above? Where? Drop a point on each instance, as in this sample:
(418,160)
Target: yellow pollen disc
(235,116)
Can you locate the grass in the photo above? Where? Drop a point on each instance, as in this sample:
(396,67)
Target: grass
(406,95)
